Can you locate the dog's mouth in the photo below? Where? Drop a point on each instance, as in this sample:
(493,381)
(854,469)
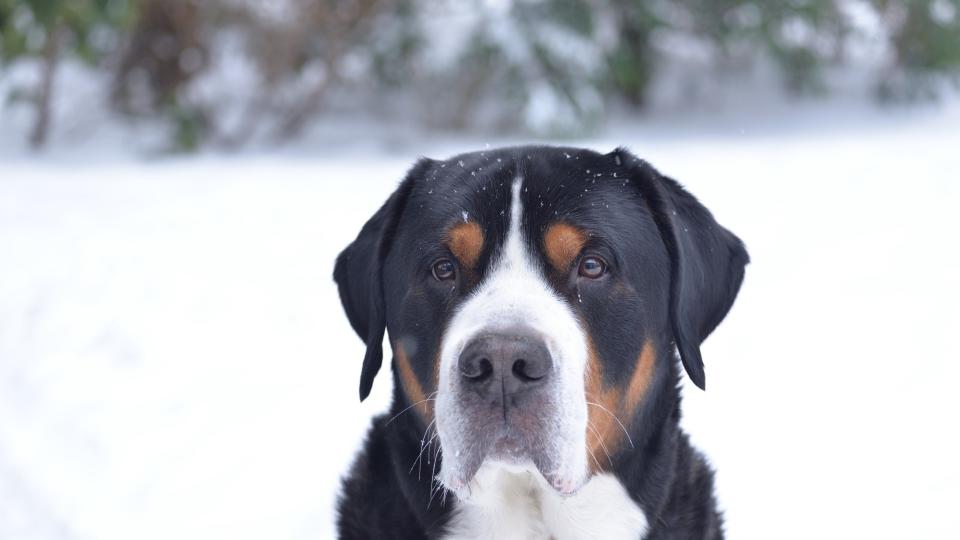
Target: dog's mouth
(540,449)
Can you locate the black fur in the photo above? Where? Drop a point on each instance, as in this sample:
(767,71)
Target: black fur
(707,266)
(674,275)
(358,274)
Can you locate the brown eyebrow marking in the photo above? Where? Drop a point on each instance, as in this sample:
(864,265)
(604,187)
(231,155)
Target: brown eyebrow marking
(563,243)
(411,384)
(465,241)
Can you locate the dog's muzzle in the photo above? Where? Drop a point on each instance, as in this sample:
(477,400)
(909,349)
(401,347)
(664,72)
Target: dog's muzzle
(505,404)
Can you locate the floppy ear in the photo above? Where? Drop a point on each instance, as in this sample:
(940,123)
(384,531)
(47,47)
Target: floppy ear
(707,262)
(358,274)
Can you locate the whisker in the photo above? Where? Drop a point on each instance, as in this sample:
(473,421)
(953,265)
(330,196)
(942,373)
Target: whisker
(424,443)
(429,449)
(600,440)
(434,437)
(434,491)
(433,474)
(433,487)
(428,398)
(589,451)
(615,418)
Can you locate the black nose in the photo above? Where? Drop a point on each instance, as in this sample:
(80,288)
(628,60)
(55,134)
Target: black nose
(520,361)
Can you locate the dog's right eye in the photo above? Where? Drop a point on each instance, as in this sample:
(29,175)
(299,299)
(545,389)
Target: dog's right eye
(444,270)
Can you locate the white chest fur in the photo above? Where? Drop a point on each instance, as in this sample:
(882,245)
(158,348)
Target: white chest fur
(512,503)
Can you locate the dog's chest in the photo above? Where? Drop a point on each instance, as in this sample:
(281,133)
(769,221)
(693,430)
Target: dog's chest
(520,505)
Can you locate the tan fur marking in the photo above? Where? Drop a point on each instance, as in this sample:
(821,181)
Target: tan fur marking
(603,429)
(640,381)
(563,243)
(604,432)
(465,241)
(411,384)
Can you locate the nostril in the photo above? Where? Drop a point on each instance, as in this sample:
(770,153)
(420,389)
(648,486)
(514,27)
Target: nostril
(527,371)
(477,370)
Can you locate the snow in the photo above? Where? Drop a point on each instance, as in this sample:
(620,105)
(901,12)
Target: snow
(174,362)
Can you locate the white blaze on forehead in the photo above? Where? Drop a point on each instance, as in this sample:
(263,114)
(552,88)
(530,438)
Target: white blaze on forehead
(513,250)
(515,295)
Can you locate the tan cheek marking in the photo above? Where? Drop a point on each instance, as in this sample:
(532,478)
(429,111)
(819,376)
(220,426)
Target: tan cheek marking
(563,243)
(465,241)
(640,381)
(603,429)
(411,384)
(604,432)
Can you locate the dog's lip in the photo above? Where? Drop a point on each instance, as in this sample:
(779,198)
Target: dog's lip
(504,448)
(564,487)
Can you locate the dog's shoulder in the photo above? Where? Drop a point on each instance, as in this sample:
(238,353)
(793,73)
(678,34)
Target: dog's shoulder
(690,508)
(372,504)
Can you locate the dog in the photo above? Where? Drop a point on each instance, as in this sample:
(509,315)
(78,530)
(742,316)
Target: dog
(536,300)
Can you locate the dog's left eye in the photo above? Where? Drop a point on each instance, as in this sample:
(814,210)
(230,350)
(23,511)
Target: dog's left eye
(592,267)
(444,269)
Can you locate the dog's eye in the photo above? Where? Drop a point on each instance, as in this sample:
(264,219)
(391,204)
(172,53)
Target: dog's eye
(592,267)
(444,269)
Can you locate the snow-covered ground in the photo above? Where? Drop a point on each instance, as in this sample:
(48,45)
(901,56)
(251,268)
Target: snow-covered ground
(174,362)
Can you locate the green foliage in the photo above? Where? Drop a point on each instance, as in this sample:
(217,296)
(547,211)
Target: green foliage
(397,41)
(189,128)
(574,15)
(632,62)
(928,41)
(91,26)
(925,38)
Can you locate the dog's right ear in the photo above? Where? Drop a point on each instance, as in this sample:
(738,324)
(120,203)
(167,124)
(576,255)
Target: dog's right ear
(358,273)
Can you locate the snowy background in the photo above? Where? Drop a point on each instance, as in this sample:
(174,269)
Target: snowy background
(174,362)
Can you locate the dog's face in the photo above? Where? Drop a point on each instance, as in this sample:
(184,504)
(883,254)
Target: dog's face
(533,297)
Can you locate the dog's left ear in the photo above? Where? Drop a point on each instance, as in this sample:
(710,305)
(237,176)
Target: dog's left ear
(358,273)
(707,261)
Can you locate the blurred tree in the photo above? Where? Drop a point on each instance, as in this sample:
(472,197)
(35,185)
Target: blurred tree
(165,50)
(299,58)
(530,63)
(925,36)
(549,66)
(325,32)
(801,36)
(632,60)
(398,39)
(48,29)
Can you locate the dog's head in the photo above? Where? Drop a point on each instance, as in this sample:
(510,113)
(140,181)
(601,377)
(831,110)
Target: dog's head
(533,298)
